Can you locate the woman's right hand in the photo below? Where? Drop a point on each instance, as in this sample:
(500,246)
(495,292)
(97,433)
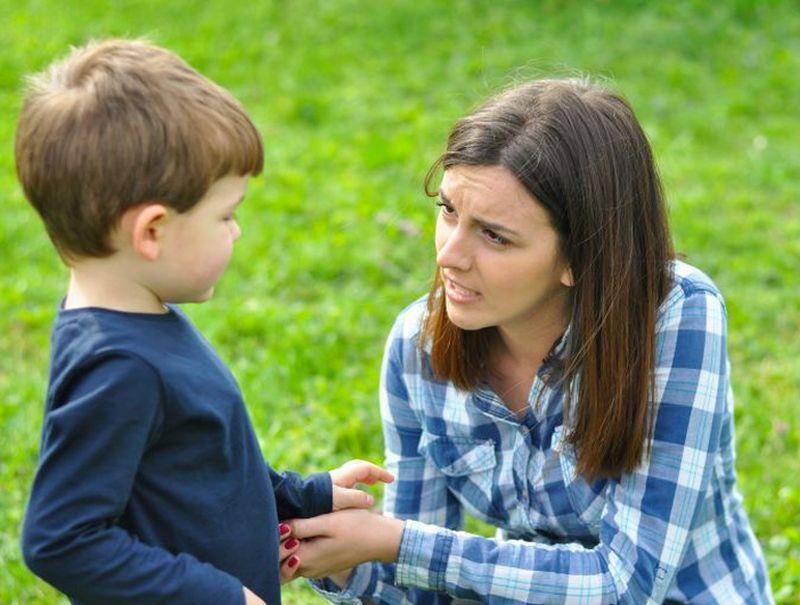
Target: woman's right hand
(289,561)
(337,542)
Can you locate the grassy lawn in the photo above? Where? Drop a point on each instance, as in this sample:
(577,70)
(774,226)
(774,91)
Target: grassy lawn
(354,100)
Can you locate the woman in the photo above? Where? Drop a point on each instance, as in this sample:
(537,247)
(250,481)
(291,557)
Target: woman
(566,380)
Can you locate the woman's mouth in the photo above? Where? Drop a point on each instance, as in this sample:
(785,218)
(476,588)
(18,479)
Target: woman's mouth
(459,294)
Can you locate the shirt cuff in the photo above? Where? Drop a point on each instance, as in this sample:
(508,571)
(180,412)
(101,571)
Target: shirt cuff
(319,494)
(360,582)
(424,552)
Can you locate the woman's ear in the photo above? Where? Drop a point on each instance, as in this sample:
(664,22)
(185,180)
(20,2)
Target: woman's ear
(145,224)
(566,277)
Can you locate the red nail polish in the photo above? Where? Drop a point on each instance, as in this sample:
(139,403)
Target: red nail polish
(284,529)
(291,543)
(292,561)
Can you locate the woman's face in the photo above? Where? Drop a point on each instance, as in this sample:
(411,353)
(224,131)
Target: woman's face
(497,253)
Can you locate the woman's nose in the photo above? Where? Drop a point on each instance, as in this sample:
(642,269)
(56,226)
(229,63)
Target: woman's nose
(452,250)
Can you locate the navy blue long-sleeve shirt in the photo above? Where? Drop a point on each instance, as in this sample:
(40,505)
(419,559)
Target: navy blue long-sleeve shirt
(151,486)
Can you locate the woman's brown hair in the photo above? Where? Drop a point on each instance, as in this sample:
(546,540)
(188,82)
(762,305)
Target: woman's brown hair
(580,151)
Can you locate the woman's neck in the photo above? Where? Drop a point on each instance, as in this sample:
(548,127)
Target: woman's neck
(517,355)
(527,344)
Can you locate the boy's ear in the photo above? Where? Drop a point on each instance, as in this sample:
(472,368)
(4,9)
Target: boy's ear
(145,224)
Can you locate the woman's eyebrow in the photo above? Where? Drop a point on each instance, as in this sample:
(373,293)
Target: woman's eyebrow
(484,223)
(496,227)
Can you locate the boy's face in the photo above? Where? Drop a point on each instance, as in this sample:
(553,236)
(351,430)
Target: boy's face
(198,243)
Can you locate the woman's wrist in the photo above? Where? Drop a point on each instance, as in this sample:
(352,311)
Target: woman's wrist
(340,578)
(386,538)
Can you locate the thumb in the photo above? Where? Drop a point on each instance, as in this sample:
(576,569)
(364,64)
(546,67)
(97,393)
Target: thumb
(351,498)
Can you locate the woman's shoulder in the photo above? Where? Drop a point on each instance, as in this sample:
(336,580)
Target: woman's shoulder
(408,324)
(689,287)
(402,345)
(688,279)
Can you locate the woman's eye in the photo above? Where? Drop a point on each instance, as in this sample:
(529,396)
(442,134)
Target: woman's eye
(495,238)
(446,208)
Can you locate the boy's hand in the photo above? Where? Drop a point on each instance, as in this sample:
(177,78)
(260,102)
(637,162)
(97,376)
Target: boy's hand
(348,475)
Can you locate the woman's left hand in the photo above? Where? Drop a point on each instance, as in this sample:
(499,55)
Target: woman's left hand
(343,539)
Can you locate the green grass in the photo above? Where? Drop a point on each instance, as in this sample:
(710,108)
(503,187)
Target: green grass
(355,100)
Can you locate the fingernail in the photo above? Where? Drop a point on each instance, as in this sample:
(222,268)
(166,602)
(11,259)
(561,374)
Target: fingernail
(292,561)
(284,529)
(291,543)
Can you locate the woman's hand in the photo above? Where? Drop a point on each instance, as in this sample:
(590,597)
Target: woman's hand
(339,541)
(286,553)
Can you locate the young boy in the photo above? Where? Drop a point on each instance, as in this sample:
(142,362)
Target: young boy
(151,486)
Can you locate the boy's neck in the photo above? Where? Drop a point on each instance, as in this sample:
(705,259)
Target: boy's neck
(99,283)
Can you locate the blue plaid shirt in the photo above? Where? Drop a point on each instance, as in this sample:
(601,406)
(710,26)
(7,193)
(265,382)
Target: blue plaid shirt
(673,529)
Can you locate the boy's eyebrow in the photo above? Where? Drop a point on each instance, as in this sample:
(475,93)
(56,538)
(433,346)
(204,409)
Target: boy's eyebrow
(485,224)
(237,202)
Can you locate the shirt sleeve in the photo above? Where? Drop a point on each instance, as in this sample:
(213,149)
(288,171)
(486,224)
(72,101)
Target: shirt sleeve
(302,498)
(97,428)
(646,519)
(648,514)
(419,491)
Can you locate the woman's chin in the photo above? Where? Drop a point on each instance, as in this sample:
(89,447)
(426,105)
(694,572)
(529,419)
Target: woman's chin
(466,321)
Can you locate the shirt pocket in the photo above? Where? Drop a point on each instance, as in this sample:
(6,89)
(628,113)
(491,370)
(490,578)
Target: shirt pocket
(587,499)
(458,456)
(469,466)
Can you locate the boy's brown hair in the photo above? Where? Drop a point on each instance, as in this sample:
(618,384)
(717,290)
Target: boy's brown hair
(119,123)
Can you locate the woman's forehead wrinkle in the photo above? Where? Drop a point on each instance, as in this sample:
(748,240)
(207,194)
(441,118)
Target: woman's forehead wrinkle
(484,193)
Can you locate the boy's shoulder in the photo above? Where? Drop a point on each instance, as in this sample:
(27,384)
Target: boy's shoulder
(81,337)
(98,328)
(162,349)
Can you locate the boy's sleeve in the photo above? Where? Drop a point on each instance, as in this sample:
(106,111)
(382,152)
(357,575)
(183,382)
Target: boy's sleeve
(95,433)
(299,498)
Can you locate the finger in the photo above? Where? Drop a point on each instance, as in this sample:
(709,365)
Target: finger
(361,472)
(373,473)
(288,547)
(309,528)
(289,569)
(351,498)
(284,531)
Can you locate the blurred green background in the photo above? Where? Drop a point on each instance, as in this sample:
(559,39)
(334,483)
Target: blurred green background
(354,100)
